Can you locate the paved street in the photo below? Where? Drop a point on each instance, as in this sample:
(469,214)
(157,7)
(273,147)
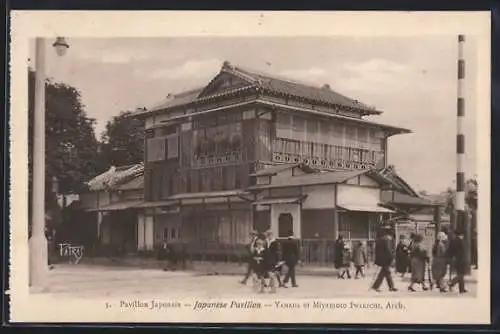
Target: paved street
(86,281)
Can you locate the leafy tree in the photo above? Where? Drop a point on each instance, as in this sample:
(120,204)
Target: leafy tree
(71,146)
(122,143)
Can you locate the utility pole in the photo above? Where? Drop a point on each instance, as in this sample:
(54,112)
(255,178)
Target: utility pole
(463,221)
(38,246)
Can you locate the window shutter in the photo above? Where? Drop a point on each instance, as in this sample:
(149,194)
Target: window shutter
(156,149)
(172,147)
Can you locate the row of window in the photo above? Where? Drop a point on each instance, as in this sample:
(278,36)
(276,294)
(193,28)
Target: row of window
(217,140)
(164,183)
(162,148)
(302,129)
(325,151)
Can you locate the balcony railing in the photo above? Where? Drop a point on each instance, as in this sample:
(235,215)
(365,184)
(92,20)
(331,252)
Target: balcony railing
(325,156)
(209,160)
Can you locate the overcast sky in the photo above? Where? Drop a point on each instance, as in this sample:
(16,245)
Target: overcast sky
(412,80)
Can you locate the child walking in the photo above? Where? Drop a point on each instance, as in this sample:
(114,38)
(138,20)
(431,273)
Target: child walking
(346,262)
(359,258)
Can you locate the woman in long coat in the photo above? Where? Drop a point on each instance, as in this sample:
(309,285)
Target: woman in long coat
(346,261)
(359,258)
(439,260)
(402,256)
(419,259)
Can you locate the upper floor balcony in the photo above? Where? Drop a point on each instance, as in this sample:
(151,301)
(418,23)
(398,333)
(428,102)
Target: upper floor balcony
(326,156)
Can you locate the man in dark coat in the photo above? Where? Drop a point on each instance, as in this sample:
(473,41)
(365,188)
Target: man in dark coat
(402,256)
(456,253)
(290,251)
(251,244)
(339,254)
(384,258)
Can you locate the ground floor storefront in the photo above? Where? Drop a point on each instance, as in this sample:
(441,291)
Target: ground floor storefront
(222,234)
(316,208)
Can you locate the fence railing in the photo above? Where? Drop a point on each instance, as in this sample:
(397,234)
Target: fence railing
(322,251)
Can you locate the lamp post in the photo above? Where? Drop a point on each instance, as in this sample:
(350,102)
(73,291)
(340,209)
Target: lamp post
(38,257)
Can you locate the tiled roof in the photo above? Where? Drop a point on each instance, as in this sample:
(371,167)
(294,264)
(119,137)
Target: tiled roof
(137,183)
(390,174)
(115,177)
(177,100)
(313,179)
(271,170)
(285,86)
(404,199)
(271,83)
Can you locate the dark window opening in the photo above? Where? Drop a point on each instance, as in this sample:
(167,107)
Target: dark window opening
(285,225)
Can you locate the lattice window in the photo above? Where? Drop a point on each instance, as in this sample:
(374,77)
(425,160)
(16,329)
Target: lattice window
(350,135)
(156,149)
(344,226)
(173,147)
(283,126)
(363,138)
(298,128)
(312,131)
(337,134)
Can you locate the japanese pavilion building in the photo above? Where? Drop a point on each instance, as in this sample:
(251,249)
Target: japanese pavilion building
(251,151)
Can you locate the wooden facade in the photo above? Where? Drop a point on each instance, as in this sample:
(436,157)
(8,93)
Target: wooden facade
(214,139)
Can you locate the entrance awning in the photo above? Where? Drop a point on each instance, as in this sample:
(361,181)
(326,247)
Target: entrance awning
(364,208)
(281,200)
(117,206)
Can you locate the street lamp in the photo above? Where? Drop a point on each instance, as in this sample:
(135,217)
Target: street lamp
(61,46)
(38,246)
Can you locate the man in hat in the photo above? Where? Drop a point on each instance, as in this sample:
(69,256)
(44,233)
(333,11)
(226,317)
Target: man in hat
(290,248)
(384,258)
(253,238)
(456,253)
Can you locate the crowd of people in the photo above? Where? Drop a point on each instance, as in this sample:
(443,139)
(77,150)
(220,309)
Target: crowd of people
(268,257)
(412,257)
(448,252)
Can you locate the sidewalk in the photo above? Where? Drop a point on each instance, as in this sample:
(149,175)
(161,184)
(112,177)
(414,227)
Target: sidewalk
(94,281)
(199,268)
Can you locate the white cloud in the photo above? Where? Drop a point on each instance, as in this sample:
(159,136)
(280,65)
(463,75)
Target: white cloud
(114,57)
(310,75)
(377,66)
(375,76)
(191,69)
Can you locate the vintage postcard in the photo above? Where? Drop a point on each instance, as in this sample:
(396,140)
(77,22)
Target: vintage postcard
(250,167)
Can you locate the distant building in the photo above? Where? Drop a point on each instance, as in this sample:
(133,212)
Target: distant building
(112,196)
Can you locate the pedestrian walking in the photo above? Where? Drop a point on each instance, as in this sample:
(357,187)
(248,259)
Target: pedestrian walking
(167,253)
(384,258)
(272,261)
(410,247)
(338,254)
(346,261)
(439,260)
(359,259)
(402,256)
(291,256)
(251,245)
(456,252)
(418,261)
